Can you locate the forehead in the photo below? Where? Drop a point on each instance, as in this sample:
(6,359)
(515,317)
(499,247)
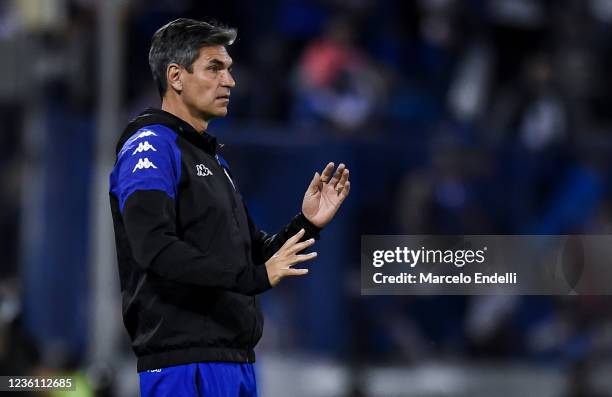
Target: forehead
(216,52)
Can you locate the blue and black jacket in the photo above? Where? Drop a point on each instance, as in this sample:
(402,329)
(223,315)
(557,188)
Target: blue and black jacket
(191,261)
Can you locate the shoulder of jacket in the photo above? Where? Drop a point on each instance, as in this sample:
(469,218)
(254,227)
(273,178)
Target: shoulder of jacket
(149,136)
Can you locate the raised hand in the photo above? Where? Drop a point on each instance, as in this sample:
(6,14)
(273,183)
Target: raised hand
(279,265)
(325,194)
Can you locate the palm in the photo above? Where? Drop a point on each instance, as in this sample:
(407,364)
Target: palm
(325,195)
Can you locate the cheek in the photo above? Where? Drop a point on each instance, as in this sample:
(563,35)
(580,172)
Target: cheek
(199,89)
(205,94)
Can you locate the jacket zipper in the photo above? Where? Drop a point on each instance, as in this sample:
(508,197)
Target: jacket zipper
(234,209)
(230,192)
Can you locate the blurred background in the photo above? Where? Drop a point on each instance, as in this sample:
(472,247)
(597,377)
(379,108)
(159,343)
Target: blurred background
(455,117)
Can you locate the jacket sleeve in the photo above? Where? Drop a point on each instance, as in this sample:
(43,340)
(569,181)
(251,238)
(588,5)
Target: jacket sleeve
(265,245)
(146,186)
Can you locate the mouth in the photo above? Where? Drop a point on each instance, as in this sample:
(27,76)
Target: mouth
(223,97)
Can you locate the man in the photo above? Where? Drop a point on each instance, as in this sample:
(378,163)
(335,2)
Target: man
(191,261)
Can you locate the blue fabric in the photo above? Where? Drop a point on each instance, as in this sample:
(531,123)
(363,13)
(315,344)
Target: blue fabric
(149,160)
(223,163)
(200,380)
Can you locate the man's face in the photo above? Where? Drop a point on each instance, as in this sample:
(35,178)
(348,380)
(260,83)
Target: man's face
(206,90)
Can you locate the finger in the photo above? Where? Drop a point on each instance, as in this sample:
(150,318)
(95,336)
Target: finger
(342,182)
(301,246)
(327,172)
(345,192)
(294,272)
(302,258)
(314,184)
(292,240)
(337,175)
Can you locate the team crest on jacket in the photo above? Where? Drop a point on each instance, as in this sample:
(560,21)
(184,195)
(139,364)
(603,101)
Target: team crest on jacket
(143,164)
(203,170)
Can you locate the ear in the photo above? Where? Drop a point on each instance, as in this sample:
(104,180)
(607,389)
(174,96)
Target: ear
(173,76)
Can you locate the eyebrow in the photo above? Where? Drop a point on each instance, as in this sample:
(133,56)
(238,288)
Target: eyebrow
(218,62)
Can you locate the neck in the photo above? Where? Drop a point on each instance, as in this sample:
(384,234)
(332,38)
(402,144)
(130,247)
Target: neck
(181,111)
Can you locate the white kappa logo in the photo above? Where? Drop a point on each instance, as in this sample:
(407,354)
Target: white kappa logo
(143,147)
(203,170)
(143,164)
(145,133)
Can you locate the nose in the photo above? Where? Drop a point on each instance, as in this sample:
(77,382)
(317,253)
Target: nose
(229,81)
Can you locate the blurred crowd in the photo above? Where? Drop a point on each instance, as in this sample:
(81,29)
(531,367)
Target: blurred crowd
(457,117)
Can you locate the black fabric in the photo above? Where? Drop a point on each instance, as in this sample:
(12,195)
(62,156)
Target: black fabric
(149,220)
(265,245)
(152,116)
(190,267)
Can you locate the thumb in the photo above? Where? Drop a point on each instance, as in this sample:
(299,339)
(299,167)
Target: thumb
(314,184)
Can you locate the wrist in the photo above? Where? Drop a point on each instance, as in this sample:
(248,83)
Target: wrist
(311,228)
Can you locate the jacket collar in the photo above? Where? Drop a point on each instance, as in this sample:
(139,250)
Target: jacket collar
(150,116)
